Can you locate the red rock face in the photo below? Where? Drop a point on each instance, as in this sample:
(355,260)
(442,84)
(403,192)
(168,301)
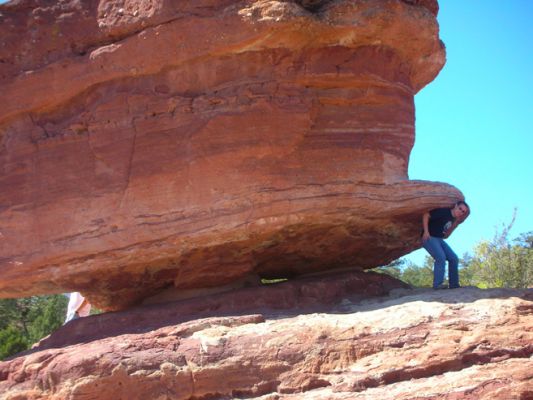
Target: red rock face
(295,340)
(145,144)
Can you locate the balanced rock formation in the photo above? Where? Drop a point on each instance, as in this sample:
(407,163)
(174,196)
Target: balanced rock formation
(148,143)
(304,339)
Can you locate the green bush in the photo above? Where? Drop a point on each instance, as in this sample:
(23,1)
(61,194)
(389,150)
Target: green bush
(11,342)
(497,263)
(502,263)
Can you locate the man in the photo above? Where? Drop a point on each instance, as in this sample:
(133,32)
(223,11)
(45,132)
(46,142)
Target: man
(438,224)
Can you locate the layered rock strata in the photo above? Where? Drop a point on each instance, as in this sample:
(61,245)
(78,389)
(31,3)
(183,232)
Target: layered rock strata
(259,344)
(147,144)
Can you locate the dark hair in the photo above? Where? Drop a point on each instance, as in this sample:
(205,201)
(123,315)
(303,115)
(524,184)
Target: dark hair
(462,202)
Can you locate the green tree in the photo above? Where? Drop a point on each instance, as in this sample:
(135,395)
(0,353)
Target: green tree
(409,272)
(49,317)
(27,320)
(419,276)
(501,262)
(11,342)
(466,273)
(17,313)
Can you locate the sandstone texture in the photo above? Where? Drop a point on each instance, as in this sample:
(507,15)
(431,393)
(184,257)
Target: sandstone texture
(147,143)
(303,339)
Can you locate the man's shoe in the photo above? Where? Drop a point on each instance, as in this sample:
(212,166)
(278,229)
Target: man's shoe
(441,286)
(455,287)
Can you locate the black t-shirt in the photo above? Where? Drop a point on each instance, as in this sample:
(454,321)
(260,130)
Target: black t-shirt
(440,220)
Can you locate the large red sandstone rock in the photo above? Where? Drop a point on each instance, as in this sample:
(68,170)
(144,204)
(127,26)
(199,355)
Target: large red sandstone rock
(153,143)
(309,339)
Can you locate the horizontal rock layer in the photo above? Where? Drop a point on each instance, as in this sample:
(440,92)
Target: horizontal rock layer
(148,143)
(308,339)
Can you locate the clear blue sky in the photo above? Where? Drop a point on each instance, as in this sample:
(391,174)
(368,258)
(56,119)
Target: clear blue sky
(474,122)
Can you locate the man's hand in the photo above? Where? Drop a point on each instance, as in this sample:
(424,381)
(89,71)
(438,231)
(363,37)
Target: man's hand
(425,236)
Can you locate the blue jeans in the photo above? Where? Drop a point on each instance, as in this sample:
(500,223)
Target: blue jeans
(440,251)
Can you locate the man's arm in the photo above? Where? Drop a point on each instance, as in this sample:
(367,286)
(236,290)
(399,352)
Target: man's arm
(425,224)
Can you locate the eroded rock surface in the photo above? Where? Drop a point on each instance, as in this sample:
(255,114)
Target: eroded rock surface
(145,144)
(304,339)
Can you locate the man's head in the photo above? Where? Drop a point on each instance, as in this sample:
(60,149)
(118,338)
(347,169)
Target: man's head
(461,210)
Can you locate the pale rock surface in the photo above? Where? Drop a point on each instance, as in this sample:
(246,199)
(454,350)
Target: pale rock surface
(412,344)
(148,143)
